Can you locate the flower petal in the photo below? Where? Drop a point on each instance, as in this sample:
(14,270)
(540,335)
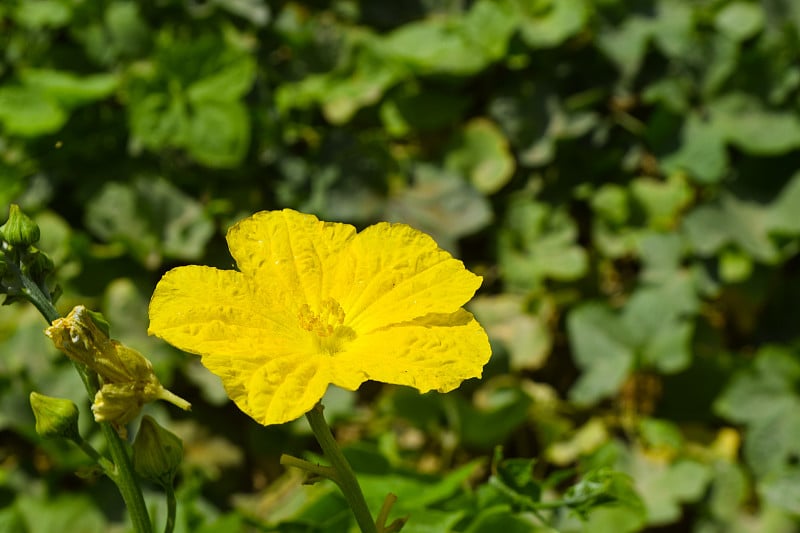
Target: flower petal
(202,310)
(289,251)
(285,388)
(393,273)
(435,352)
(217,314)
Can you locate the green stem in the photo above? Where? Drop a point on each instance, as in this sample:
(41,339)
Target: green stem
(122,472)
(172,505)
(38,299)
(345,477)
(125,479)
(87,448)
(318,471)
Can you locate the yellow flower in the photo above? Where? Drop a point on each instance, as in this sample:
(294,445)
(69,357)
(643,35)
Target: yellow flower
(315,303)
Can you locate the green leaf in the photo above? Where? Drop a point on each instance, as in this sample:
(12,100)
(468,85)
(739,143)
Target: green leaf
(536,243)
(421,111)
(414,492)
(749,125)
(601,347)
(43,13)
(457,46)
(526,335)
(68,89)
(701,152)
(344,91)
(548,24)
(603,486)
(158,120)
(731,220)
(584,440)
(664,488)
(764,397)
(609,519)
(440,204)
(661,434)
(126,31)
(28,112)
(227,522)
(11,520)
(782,215)
(729,489)
(783,490)
(533,119)
(740,20)
(501,518)
(481,153)
(668,23)
(151,218)
(232,80)
(611,203)
(218,133)
(517,475)
(662,201)
(655,319)
(502,410)
(77,510)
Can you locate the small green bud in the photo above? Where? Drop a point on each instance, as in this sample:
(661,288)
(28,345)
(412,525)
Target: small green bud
(55,417)
(157,453)
(39,264)
(19,230)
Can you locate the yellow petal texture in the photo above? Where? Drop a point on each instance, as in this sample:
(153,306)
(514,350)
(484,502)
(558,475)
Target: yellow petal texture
(435,352)
(315,303)
(289,252)
(217,314)
(395,273)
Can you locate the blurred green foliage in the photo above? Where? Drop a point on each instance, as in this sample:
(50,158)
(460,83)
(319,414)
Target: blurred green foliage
(623,174)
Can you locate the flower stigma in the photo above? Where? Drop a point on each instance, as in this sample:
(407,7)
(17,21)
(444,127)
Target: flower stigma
(327,326)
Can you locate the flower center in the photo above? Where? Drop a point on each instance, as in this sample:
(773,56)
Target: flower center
(327,325)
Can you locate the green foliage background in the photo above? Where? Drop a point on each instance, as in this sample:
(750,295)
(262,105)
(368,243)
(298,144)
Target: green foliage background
(625,176)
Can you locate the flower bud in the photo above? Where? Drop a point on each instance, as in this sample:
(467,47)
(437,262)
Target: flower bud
(55,417)
(19,230)
(157,453)
(39,264)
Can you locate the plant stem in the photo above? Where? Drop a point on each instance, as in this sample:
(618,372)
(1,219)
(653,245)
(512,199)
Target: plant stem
(345,477)
(87,448)
(122,473)
(125,479)
(172,506)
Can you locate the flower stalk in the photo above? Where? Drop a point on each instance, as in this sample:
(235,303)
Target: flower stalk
(341,473)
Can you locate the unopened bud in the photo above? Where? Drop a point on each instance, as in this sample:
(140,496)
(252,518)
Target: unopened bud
(55,417)
(19,230)
(157,453)
(39,264)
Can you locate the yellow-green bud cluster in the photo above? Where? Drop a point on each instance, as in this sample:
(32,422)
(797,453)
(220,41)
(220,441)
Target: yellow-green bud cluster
(20,259)
(127,377)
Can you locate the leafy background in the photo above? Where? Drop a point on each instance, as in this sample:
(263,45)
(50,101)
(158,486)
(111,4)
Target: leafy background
(623,174)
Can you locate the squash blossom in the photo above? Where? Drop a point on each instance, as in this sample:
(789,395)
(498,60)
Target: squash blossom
(315,303)
(127,379)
